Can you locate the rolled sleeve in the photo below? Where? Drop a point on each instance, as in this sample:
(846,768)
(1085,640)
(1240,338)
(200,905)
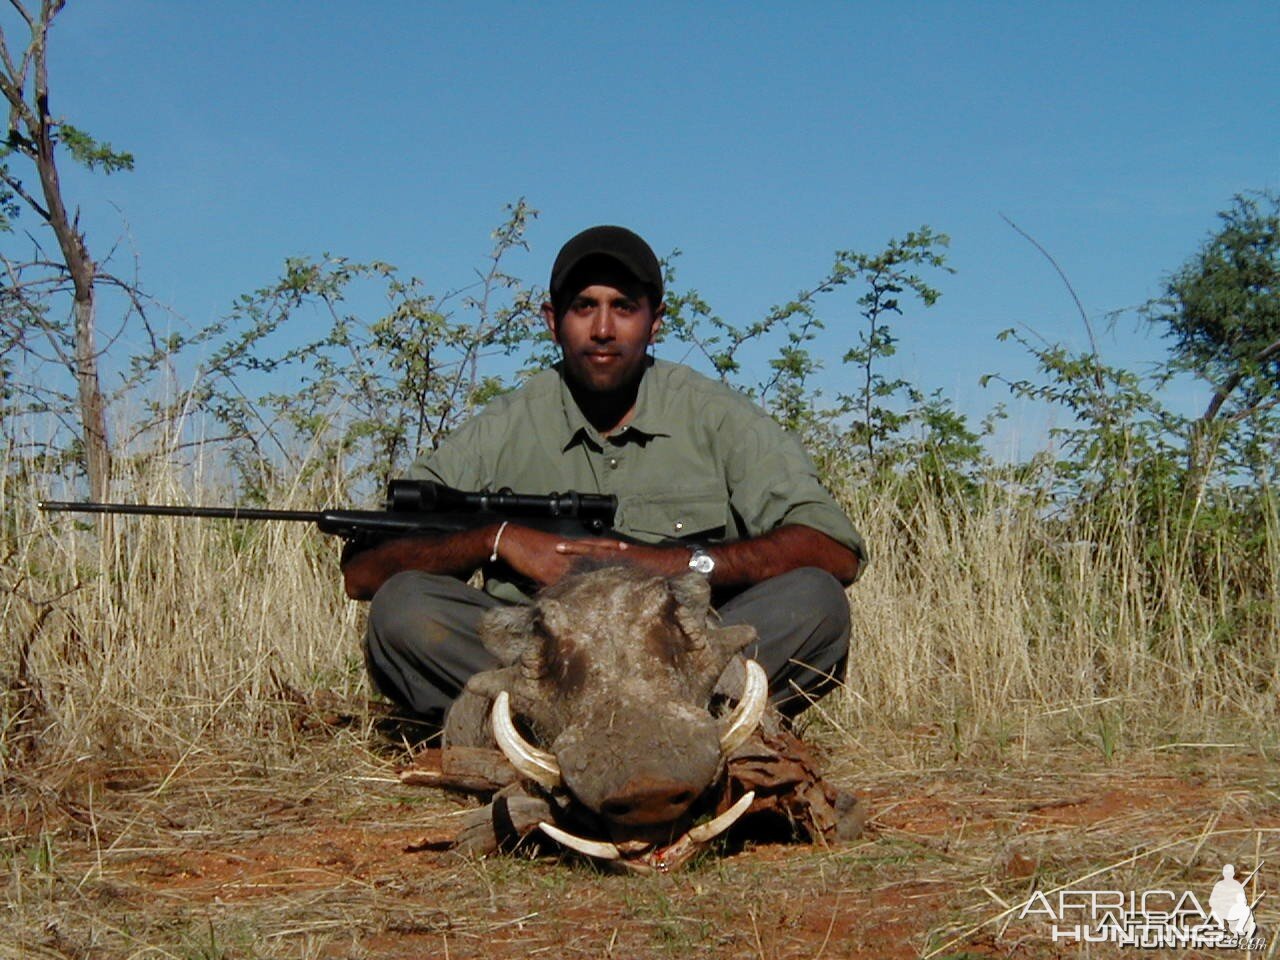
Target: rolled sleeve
(773,482)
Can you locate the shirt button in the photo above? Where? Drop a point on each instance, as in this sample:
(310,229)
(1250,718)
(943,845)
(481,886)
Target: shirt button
(679,525)
(613,463)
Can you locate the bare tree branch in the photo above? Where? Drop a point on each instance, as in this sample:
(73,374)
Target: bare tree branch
(16,186)
(1223,391)
(1088,327)
(22,11)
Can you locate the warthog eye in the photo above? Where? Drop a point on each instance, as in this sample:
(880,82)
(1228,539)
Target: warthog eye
(666,639)
(561,660)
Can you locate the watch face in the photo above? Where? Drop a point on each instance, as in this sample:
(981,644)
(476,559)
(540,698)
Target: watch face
(701,562)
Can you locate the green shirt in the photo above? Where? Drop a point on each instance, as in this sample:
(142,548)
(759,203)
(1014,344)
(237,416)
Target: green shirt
(697,461)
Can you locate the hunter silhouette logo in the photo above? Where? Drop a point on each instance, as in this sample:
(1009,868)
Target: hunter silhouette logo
(1229,904)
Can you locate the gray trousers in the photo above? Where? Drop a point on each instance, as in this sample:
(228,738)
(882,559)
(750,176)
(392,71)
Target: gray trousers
(423,643)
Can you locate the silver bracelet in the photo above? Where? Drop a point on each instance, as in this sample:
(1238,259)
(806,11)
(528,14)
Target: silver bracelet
(493,557)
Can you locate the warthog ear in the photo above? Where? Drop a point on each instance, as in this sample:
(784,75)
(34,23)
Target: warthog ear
(507,632)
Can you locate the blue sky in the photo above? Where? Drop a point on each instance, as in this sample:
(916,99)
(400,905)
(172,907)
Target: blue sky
(756,138)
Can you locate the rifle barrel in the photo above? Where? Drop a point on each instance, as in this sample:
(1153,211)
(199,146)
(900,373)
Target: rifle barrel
(143,509)
(413,506)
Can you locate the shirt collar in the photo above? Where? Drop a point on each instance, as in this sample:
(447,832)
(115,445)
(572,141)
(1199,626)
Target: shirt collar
(647,420)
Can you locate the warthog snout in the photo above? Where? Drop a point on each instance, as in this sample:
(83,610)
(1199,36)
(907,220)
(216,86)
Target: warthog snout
(643,801)
(640,768)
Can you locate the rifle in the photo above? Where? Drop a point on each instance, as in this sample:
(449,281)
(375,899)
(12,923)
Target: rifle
(412,506)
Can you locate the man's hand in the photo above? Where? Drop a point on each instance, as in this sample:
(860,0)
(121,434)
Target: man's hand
(664,561)
(545,557)
(542,558)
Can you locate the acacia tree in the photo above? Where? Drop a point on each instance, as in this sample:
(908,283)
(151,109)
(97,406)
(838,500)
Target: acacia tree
(1222,311)
(371,392)
(888,275)
(36,136)
(787,393)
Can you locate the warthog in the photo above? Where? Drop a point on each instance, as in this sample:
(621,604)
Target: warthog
(613,707)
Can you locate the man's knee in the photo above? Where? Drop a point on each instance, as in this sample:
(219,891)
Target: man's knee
(814,628)
(801,616)
(812,602)
(408,611)
(422,644)
(817,591)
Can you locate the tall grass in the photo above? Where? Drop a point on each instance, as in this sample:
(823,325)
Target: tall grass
(994,612)
(148,634)
(983,615)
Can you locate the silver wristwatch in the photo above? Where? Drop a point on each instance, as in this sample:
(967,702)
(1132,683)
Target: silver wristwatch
(702,562)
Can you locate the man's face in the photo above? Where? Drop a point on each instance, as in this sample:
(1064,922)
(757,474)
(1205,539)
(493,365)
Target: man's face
(604,334)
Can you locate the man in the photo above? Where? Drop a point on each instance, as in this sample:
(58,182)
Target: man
(690,460)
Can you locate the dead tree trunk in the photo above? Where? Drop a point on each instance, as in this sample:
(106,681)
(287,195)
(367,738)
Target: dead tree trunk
(80,266)
(31,133)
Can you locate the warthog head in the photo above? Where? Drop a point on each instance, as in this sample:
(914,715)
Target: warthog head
(606,700)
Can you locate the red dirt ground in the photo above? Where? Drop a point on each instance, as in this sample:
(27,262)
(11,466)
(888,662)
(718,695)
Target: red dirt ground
(221,865)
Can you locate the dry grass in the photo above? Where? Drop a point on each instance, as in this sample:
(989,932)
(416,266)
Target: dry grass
(308,859)
(188,637)
(189,768)
(993,621)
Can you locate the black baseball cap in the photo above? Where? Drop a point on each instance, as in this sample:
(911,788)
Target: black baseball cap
(614,243)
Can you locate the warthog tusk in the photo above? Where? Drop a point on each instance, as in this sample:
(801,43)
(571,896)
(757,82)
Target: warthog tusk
(663,860)
(537,765)
(592,848)
(696,839)
(713,828)
(746,715)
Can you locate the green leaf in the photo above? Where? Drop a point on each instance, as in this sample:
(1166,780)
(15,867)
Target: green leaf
(90,153)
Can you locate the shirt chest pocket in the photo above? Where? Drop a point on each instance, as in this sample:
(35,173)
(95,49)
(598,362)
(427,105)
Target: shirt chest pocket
(697,513)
